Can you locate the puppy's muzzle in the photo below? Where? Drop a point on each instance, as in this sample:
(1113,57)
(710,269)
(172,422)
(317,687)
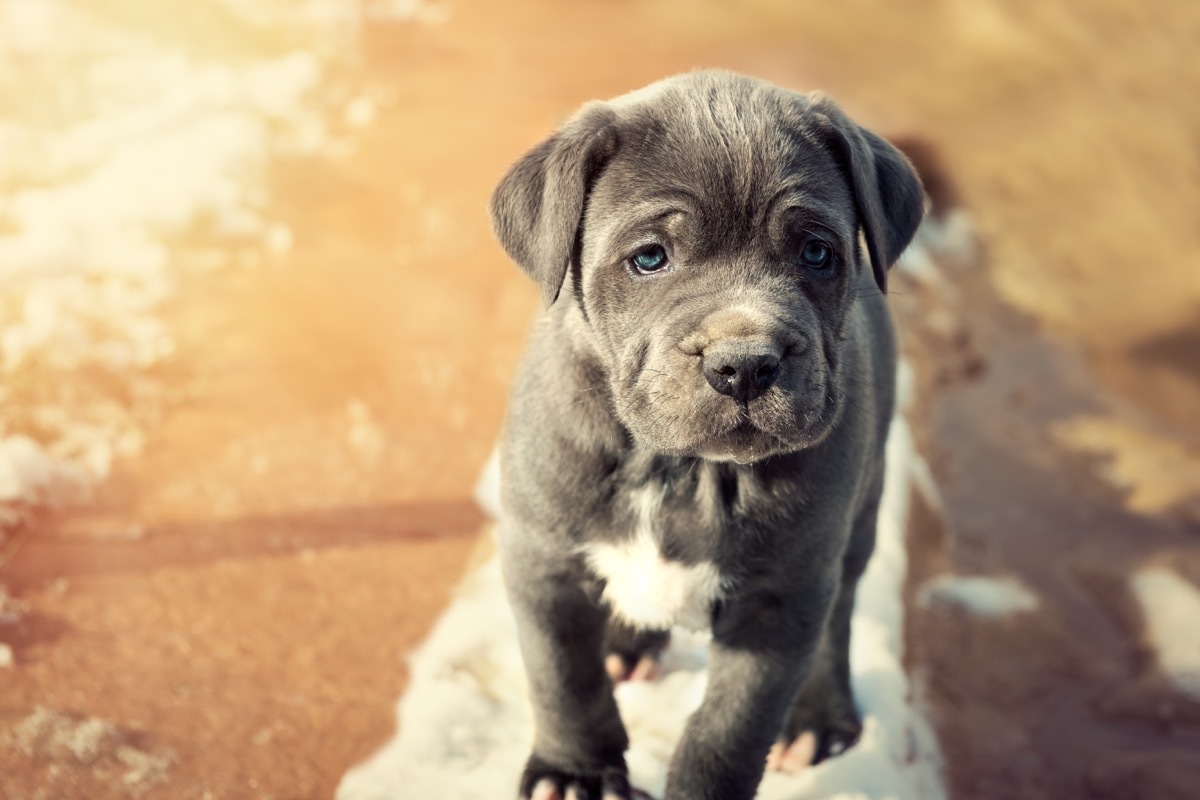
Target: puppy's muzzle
(742,370)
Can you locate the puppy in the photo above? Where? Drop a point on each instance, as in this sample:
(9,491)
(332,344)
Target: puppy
(696,433)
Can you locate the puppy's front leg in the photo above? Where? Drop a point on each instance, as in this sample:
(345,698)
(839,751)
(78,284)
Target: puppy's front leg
(762,647)
(579,742)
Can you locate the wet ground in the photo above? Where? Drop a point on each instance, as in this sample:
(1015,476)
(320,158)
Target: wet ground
(236,601)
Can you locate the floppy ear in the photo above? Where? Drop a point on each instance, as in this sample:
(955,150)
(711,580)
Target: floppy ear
(536,209)
(887,190)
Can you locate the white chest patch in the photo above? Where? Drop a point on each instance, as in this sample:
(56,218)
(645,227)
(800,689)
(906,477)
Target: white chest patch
(648,591)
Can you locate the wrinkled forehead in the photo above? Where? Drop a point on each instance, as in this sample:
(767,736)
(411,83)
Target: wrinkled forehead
(735,162)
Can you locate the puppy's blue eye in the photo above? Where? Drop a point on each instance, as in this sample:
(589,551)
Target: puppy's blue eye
(816,254)
(649,259)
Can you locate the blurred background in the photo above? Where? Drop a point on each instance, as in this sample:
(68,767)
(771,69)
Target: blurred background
(255,338)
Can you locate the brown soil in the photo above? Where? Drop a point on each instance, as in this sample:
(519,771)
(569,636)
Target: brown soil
(239,600)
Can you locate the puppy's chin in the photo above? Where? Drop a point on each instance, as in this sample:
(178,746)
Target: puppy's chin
(743,444)
(715,428)
(739,442)
(747,444)
(742,440)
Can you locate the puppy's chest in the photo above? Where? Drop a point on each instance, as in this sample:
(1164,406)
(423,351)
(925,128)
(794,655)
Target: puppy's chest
(647,583)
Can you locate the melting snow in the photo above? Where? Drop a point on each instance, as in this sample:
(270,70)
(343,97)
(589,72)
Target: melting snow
(987,597)
(112,143)
(1171,607)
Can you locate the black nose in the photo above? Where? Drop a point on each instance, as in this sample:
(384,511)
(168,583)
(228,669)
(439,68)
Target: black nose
(742,371)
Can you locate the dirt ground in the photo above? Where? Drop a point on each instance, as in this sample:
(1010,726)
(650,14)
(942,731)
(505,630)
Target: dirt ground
(236,603)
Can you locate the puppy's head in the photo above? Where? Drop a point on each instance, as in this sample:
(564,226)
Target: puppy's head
(708,227)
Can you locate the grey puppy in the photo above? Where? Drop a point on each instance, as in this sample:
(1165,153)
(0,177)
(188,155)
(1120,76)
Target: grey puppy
(696,433)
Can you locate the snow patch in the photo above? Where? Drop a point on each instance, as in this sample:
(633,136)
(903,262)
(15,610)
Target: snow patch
(487,488)
(950,239)
(12,610)
(1171,607)
(28,474)
(984,596)
(465,727)
(64,743)
(918,261)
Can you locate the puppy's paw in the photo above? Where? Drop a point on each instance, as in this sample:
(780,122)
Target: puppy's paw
(543,781)
(824,723)
(621,668)
(793,757)
(633,655)
(810,747)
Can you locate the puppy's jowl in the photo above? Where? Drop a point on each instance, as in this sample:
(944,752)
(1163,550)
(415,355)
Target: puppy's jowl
(696,432)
